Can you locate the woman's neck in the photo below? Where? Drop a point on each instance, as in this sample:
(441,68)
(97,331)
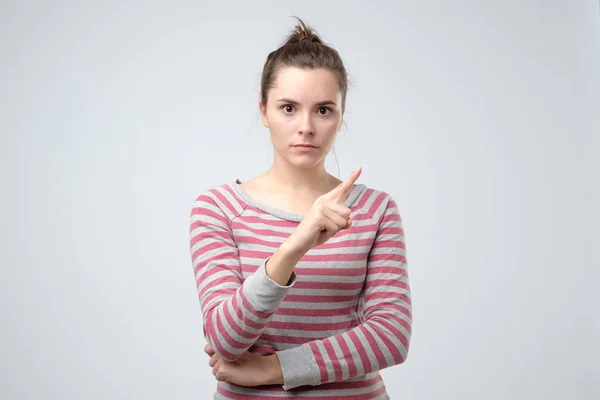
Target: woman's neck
(293,179)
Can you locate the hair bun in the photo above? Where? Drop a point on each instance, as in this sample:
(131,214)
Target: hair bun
(303,33)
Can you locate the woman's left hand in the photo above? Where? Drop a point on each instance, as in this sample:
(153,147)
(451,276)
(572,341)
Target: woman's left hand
(247,370)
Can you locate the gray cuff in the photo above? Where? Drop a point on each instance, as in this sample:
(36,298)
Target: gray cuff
(299,367)
(263,292)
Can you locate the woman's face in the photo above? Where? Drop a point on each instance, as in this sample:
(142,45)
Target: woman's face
(303,108)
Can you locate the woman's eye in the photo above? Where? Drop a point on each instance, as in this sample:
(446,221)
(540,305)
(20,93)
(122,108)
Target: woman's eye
(288,108)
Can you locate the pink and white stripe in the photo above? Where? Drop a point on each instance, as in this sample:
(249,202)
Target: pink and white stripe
(344,315)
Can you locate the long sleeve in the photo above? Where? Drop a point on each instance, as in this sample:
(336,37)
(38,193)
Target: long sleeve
(382,338)
(235,311)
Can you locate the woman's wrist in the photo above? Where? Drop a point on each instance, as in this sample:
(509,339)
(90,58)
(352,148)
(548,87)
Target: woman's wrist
(290,251)
(274,376)
(281,264)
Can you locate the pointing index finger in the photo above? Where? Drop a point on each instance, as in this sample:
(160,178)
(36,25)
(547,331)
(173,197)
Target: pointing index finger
(339,193)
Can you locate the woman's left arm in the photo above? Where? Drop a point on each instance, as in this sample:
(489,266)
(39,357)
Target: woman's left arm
(383,339)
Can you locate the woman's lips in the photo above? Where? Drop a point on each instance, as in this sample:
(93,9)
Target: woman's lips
(304,147)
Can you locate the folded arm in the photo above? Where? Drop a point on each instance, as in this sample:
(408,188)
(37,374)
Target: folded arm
(383,337)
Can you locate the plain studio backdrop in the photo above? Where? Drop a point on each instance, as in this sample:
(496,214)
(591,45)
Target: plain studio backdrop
(481,118)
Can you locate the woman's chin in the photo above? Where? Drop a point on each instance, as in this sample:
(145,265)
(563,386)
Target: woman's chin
(305,162)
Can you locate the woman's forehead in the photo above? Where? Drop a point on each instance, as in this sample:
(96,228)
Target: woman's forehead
(300,83)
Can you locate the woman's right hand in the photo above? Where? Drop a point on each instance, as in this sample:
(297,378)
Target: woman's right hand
(325,218)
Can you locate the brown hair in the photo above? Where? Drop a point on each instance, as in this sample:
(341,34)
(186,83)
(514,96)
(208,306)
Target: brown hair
(303,49)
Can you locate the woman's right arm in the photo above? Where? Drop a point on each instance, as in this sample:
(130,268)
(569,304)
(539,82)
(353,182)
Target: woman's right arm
(235,311)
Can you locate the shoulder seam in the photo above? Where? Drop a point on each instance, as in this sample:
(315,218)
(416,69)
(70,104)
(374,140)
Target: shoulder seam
(235,215)
(210,193)
(238,215)
(384,203)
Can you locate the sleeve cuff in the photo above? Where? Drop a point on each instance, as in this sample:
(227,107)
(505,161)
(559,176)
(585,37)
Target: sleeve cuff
(299,367)
(264,293)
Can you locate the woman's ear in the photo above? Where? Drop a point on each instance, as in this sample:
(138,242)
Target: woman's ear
(263,114)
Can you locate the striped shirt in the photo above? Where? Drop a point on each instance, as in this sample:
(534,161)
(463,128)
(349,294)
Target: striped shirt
(344,315)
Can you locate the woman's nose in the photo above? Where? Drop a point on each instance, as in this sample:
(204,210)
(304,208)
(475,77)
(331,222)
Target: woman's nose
(306,125)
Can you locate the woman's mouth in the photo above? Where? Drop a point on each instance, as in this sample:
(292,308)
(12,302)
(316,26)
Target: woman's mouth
(304,147)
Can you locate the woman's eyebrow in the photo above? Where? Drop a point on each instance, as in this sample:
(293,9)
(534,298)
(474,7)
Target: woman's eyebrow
(321,103)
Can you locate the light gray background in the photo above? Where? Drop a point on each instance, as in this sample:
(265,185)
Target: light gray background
(481,118)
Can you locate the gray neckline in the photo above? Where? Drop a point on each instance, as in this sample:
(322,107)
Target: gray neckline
(356,191)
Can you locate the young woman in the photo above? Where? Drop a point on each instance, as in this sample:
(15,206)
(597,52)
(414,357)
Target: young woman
(301,277)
